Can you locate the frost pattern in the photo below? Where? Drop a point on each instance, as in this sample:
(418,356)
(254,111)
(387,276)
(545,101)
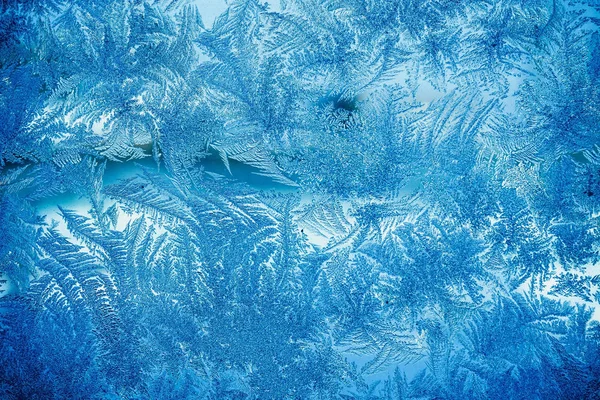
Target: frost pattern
(308,199)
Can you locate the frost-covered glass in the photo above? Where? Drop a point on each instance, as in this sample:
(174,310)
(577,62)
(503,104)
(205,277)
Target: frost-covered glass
(299,199)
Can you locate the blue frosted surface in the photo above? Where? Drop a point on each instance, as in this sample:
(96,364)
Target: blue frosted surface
(299,199)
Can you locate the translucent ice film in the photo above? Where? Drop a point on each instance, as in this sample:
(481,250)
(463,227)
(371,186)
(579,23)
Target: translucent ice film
(299,199)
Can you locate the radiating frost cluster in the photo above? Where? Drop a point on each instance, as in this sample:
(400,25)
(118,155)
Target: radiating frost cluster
(305,199)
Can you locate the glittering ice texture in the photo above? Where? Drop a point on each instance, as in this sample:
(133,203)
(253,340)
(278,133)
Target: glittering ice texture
(305,199)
